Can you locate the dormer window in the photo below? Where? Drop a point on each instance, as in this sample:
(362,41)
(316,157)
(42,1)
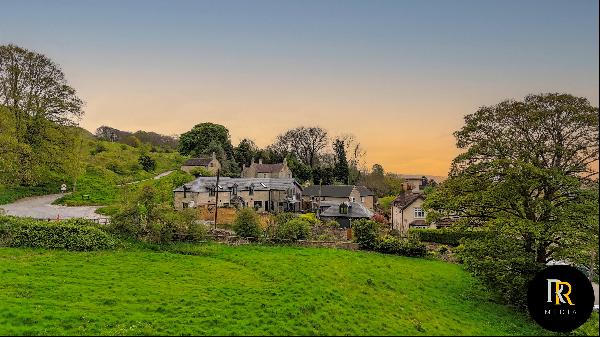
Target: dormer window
(211,191)
(343,208)
(251,189)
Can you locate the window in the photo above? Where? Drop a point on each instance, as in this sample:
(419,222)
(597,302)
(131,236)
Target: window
(251,190)
(362,199)
(343,208)
(353,199)
(419,212)
(211,192)
(258,204)
(185,205)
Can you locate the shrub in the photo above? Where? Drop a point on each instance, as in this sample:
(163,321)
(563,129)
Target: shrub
(146,217)
(71,234)
(450,237)
(365,233)
(147,163)
(100,147)
(379,218)
(332,224)
(246,223)
(502,264)
(391,245)
(284,217)
(293,230)
(310,218)
(201,172)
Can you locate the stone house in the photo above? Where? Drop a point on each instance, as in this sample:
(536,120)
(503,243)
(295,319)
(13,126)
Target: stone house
(211,164)
(260,170)
(407,212)
(264,194)
(315,194)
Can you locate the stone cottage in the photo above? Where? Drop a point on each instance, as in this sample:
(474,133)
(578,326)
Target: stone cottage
(210,163)
(263,194)
(260,170)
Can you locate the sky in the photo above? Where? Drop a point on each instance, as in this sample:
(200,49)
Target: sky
(399,75)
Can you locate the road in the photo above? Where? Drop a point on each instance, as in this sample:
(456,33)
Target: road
(41,208)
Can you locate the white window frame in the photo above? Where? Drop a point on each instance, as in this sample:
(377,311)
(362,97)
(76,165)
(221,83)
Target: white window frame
(419,213)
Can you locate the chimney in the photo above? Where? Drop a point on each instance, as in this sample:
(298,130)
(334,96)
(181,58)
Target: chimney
(284,161)
(260,160)
(214,156)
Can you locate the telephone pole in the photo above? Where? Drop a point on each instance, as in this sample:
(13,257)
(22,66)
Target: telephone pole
(217,197)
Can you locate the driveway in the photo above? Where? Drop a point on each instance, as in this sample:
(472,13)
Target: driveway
(41,208)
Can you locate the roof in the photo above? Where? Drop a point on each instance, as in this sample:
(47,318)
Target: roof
(268,168)
(407,198)
(355,210)
(203,184)
(418,223)
(337,191)
(364,191)
(197,162)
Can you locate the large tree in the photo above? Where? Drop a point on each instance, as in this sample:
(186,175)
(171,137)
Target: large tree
(526,171)
(306,143)
(33,86)
(43,109)
(340,169)
(203,138)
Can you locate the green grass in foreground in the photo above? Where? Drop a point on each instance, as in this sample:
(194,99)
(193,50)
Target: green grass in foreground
(214,289)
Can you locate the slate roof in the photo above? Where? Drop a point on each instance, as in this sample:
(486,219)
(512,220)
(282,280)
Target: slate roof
(268,168)
(407,198)
(336,191)
(364,191)
(197,162)
(355,210)
(203,184)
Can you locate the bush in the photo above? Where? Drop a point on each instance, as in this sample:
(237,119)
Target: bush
(310,218)
(246,223)
(201,172)
(365,233)
(148,164)
(379,218)
(75,234)
(147,218)
(502,264)
(391,245)
(293,230)
(450,237)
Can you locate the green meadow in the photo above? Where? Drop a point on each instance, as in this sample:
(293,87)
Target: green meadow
(215,289)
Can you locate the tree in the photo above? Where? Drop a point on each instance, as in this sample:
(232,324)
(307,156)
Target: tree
(245,152)
(33,86)
(300,171)
(306,143)
(323,175)
(526,171)
(43,110)
(196,141)
(341,170)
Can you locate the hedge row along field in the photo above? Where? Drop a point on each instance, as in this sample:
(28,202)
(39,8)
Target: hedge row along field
(75,234)
(450,237)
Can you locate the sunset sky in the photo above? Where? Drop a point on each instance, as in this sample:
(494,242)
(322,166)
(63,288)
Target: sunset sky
(399,75)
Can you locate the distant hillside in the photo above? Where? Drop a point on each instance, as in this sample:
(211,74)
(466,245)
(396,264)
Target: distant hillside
(131,138)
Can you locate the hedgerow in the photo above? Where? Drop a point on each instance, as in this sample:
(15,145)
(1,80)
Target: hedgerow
(77,235)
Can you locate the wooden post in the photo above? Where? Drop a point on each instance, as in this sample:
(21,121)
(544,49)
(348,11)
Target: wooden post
(217,198)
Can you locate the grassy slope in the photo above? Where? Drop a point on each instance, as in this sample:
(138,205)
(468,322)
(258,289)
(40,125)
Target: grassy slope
(115,166)
(242,290)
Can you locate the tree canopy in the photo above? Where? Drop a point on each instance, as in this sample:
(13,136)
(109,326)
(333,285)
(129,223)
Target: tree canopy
(529,169)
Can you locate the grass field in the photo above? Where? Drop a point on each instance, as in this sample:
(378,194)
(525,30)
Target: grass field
(214,289)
